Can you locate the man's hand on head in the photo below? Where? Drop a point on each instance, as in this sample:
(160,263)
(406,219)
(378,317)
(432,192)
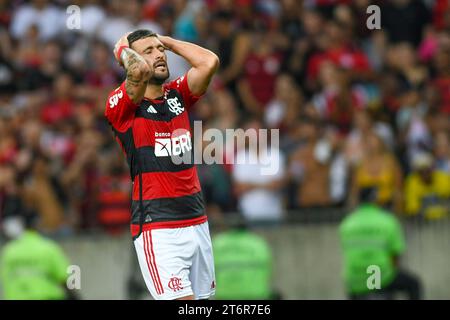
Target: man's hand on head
(138,71)
(204,63)
(165,40)
(118,47)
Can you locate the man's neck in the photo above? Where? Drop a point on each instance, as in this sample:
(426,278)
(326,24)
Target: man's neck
(153,91)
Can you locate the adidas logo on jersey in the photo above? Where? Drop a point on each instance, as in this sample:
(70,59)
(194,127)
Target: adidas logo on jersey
(151,109)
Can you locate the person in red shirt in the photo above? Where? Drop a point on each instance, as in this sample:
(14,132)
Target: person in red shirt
(337,48)
(61,106)
(260,70)
(113,200)
(150,121)
(441,83)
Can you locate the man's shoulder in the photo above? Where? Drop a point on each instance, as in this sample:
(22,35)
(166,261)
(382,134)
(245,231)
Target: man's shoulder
(176,83)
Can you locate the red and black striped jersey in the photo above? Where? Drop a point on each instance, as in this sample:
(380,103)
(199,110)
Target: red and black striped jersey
(151,133)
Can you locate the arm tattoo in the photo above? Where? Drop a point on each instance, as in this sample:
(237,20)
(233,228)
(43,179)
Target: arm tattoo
(137,80)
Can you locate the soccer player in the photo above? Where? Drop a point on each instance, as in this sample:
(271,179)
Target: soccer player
(150,121)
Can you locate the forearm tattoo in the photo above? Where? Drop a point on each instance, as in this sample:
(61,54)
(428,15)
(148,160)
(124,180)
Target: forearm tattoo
(136,79)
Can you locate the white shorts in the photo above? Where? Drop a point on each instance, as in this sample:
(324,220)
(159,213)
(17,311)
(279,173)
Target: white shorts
(177,262)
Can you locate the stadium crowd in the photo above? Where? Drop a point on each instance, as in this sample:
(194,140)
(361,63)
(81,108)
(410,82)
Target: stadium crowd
(355,107)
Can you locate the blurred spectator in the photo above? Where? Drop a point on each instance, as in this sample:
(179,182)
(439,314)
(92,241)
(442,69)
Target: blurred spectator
(285,105)
(215,177)
(186,25)
(441,64)
(412,126)
(363,125)
(7,72)
(40,65)
(263,62)
(92,16)
(309,166)
(259,193)
(113,198)
(371,236)
(216,187)
(39,193)
(5,13)
(405,20)
(429,45)
(80,179)
(338,101)
(427,190)
(10,196)
(99,74)
(243,265)
(378,169)
(410,74)
(336,47)
(61,105)
(48,19)
(232,47)
(296,36)
(442,151)
(33,267)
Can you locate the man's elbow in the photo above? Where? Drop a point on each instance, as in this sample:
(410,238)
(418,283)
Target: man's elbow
(213,63)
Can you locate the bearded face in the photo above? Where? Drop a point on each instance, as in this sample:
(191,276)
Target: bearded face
(153,52)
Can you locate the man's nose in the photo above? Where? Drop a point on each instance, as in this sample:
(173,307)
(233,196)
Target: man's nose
(159,55)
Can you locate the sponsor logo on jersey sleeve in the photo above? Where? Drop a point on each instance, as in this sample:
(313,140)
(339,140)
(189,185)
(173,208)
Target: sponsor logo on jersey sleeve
(114,99)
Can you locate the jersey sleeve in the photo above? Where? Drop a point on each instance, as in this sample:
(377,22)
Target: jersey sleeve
(120,109)
(181,85)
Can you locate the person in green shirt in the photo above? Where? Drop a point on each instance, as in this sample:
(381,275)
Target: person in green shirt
(33,267)
(243,264)
(372,240)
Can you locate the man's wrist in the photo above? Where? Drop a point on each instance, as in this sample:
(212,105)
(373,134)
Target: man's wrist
(121,54)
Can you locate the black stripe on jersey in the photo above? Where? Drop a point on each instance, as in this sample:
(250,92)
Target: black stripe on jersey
(168,209)
(163,108)
(151,163)
(127,141)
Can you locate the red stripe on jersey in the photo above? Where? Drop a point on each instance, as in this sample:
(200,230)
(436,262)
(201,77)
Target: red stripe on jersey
(134,228)
(167,184)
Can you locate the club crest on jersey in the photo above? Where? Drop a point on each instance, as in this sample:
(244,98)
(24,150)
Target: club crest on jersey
(175,284)
(175,105)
